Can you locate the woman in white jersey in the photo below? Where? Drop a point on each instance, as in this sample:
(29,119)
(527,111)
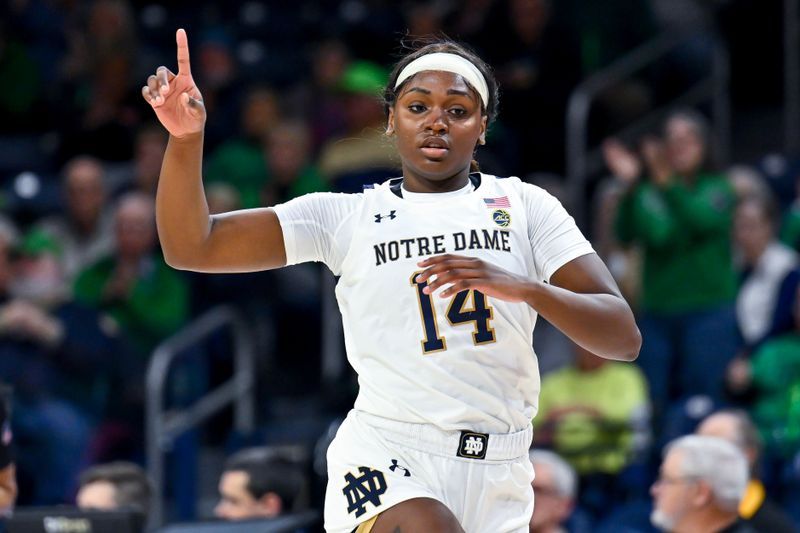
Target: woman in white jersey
(442,275)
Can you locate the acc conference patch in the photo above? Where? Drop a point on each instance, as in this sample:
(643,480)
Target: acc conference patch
(501,217)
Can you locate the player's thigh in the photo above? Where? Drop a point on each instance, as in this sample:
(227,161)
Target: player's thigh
(417,515)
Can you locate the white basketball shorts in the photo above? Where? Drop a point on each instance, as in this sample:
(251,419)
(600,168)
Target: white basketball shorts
(375,463)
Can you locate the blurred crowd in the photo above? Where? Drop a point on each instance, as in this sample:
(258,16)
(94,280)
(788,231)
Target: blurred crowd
(707,253)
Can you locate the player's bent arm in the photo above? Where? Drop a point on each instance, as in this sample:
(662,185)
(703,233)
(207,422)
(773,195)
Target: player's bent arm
(242,241)
(584,302)
(582,299)
(191,239)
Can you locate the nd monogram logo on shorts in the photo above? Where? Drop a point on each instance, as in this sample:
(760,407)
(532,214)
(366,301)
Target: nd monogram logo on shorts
(473,445)
(364,489)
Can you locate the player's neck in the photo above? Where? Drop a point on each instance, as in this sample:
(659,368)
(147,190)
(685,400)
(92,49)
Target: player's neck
(413,182)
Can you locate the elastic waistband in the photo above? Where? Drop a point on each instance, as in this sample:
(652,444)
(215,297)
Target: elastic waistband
(465,444)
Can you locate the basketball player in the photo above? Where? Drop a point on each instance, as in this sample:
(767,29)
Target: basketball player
(442,274)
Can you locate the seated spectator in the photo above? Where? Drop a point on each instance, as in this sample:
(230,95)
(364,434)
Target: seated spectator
(783,320)
(134,285)
(141,174)
(84,232)
(317,97)
(242,162)
(363,154)
(97,108)
(117,486)
(681,216)
(699,487)
(770,379)
(736,427)
(257,483)
(765,262)
(291,171)
(747,181)
(594,413)
(555,489)
(56,354)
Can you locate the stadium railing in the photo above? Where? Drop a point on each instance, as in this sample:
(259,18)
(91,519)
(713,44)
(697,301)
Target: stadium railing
(164,426)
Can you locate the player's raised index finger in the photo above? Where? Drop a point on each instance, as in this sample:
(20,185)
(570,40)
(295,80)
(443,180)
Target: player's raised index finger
(183,52)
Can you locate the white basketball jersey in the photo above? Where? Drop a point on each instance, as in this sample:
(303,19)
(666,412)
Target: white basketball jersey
(462,362)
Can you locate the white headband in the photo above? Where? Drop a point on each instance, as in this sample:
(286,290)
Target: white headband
(447,62)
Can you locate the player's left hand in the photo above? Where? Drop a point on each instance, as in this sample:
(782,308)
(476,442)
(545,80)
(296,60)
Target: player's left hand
(457,273)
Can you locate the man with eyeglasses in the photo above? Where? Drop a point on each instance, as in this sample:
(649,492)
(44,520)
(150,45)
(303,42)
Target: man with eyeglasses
(760,511)
(554,489)
(700,483)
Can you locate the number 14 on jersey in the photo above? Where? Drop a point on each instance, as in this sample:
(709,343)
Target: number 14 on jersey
(465,307)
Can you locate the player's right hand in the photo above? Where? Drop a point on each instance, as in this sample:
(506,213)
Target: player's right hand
(175,98)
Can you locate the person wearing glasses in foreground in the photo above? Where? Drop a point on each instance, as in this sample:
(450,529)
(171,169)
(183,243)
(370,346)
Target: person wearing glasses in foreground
(443,272)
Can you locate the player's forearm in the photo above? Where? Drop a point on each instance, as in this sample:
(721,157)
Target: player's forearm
(181,209)
(601,323)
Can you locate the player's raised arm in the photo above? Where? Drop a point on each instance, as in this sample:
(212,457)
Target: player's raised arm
(191,239)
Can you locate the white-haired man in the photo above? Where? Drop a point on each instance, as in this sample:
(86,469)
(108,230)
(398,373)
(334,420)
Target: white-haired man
(554,488)
(736,427)
(701,481)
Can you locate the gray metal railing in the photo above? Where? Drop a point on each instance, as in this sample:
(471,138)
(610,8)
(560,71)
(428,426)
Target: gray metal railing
(583,161)
(334,360)
(164,426)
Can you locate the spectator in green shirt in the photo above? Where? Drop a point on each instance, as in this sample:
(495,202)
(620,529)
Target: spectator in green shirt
(134,285)
(681,217)
(146,299)
(242,162)
(595,413)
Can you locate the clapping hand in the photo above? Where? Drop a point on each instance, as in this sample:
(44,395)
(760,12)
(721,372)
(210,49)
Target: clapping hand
(622,162)
(655,157)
